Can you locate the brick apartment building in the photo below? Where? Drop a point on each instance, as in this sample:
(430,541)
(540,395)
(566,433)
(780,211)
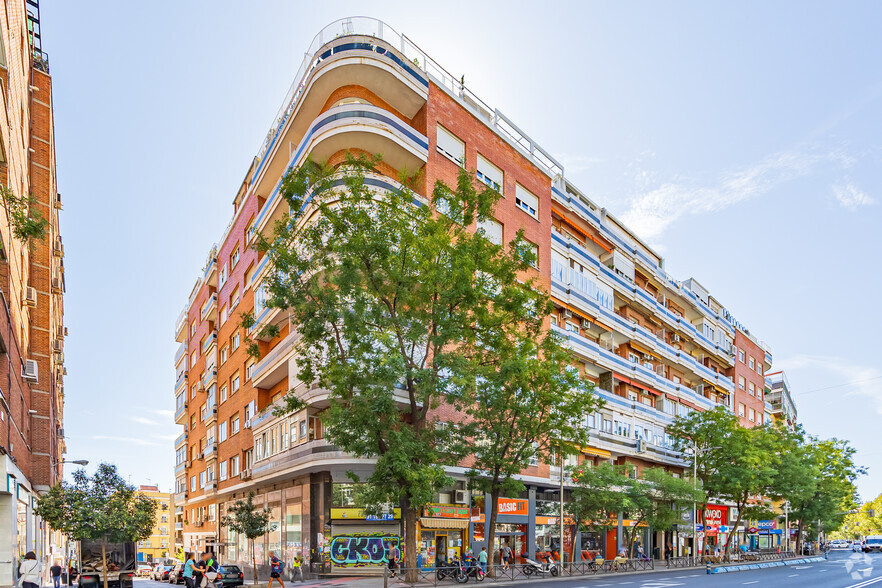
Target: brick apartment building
(655,347)
(31,292)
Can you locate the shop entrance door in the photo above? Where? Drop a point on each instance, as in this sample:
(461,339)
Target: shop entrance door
(441,545)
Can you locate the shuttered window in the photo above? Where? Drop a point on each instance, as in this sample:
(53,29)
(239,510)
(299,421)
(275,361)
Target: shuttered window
(527,201)
(450,146)
(492,230)
(489,173)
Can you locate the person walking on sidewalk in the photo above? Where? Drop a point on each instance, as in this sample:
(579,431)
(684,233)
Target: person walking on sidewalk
(482,559)
(506,556)
(276,567)
(189,569)
(30,571)
(55,572)
(296,569)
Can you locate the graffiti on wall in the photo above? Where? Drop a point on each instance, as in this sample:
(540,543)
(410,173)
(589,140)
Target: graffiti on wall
(361,549)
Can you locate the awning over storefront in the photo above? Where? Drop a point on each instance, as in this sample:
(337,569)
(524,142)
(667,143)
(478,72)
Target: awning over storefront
(428,523)
(595,451)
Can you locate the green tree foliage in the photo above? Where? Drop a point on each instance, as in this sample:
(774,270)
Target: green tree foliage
(656,499)
(399,310)
(102,508)
(24,220)
(867,521)
(246,519)
(831,465)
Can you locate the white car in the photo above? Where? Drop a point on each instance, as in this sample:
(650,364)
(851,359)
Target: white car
(144,570)
(839,544)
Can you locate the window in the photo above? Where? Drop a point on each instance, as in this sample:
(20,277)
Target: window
(607,426)
(248,411)
(526,201)
(759,393)
(234,257)
(222,276)
(223,314)
(222,471)
(450,146)
(193,327)
(234,300)
(633,358)
(249,275)
(222,431)
(209,474)
(234,425)
(234,384)
(759,367)
(302,430)
(489,173)
(194,390)
(529,252)
(741,409)
(193,357)
(234,465)
(590,421)
(223,393)
(491,229)
(741,355)
(751,415)
(751,389)
(235,341)
(192,421)
(223,354)
(249,369)
(751,363)
(741,382)
(572,327)
(193,483)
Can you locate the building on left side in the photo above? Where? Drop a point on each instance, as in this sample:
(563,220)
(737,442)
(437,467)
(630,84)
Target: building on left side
(32,285)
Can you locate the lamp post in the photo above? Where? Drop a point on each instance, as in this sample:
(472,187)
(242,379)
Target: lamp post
(786,525)
(695,455)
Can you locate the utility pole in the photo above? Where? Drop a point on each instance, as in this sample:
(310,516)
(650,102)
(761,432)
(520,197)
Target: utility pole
(562,550)
(786,525)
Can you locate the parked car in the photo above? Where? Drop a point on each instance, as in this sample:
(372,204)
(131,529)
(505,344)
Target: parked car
(144,570)
(839,544)
(176,575)
(873,543)
(230,576)
(161,572)
(857,546)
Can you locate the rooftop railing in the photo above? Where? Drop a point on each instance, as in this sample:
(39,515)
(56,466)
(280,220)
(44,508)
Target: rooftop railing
(371,27)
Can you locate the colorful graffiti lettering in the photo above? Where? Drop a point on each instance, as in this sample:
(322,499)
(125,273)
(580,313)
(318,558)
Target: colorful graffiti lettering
(357,550)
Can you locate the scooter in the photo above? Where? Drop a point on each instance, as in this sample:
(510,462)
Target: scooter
(534,567)
(470,569)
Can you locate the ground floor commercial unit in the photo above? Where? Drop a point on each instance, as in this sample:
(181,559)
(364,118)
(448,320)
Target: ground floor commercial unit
(21,530)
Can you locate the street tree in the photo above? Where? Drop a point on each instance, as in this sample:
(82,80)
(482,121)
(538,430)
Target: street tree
(246,519)
(655,499)
(392,302)
(102,508)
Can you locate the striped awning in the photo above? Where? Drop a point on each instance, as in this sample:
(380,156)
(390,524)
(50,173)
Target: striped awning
(430,523)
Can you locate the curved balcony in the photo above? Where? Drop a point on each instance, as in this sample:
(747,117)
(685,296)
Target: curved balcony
(181,415)
(353,51)
(181,327)
(209,309)
(181,440)
(180,354)
(351,126)
(273,368)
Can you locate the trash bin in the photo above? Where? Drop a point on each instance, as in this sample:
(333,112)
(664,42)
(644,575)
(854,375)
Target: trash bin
(656,554)
(64,577)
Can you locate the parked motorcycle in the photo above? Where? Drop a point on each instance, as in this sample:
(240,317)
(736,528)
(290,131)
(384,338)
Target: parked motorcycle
(470,569)
(548,566)
(446,569)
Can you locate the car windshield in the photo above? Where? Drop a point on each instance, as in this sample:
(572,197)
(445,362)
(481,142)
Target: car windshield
(229,569)
(874,541)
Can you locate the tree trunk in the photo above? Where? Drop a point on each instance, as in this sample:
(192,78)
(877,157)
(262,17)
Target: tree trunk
(799,528)
(490,526)
(253,561)
(741,506)
(104,561)
(410,542)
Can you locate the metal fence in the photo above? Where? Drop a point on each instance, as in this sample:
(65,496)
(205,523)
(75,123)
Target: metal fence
(737,557)
(518,572)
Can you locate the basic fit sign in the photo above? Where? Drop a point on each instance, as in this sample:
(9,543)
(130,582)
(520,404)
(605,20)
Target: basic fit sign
(512,506)
(715,515)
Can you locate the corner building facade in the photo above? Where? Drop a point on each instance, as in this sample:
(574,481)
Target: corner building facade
(654,347)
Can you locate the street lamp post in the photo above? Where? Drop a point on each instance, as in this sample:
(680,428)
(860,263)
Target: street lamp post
(786,525)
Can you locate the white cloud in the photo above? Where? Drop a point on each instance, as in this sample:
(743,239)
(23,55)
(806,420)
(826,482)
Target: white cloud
(575,163)
(652,211)
(164,413)
(132,440)
(851,197)
(849,379)
(142,420)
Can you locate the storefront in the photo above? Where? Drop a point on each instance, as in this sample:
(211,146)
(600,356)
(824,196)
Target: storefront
(360,540)
(443,533)
(715,529)
(512,522)
(768,535)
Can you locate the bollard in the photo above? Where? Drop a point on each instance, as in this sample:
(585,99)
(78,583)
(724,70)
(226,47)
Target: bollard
(385,576)
(707,567)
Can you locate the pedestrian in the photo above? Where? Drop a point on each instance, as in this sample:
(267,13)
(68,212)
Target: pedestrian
(296,569)
(640,554)
(199,571)
(506,556)
(669,550)
(210,566)
(55,572)
(482,559)
(29,571)
(71,573)
(394,555)
(275,570)
(190,570)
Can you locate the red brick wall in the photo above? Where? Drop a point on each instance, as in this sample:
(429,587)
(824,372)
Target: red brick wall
(756,402)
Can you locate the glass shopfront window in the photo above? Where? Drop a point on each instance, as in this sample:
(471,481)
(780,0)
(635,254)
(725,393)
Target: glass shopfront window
(293,531)
(274,534)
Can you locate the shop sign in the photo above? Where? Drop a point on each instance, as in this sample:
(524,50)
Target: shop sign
(357,514)
(447,511)
(752,530)
(773,524)
(553,520)
(512,506)
(715,515)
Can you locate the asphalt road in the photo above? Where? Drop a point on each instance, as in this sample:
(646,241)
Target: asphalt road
(843,569)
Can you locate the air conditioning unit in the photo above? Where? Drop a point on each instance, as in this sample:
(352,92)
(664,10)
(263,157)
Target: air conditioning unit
(245,474)
(212,486)
(30,371)
(647,357)
(59,358)
(568,314)
(57,287)
(641,446)
(58,346)
(198,523)
(247,424)
(60,332)
(60,432)
(30,297)
(188,464)
(200,387)
(59,247)
(586,324)
(675,338)
(461,497)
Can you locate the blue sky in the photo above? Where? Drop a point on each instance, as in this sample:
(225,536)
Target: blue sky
(741,140)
